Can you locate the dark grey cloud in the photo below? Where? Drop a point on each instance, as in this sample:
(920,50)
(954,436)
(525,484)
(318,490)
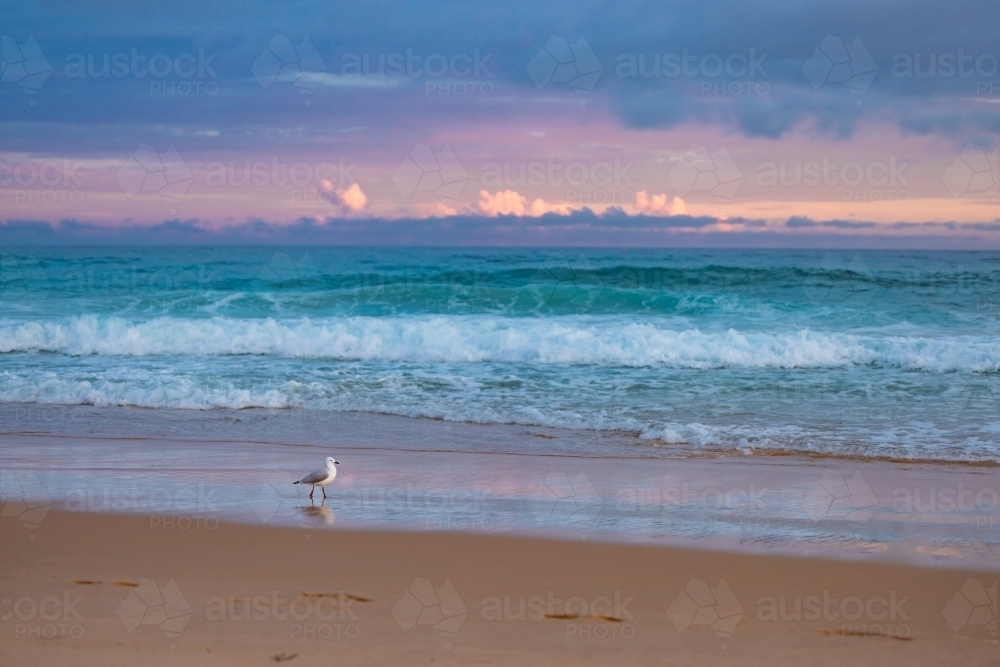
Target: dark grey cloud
(582,228)
(799,222)
(213,46)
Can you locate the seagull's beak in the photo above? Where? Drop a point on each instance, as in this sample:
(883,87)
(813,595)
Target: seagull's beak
(336,463)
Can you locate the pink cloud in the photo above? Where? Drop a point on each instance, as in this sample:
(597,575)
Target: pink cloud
(511,202)
(658,204)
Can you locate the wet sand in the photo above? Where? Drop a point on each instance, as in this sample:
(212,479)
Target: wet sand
(105,589)
(925,514)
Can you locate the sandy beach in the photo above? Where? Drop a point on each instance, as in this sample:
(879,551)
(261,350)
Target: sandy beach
(95,589)
(540,334)
(171,551)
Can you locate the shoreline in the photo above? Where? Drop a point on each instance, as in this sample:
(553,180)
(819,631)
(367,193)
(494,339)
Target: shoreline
(923,514)
(293,426)
(241,593)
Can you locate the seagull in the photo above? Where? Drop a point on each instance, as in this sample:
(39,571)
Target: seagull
(321,478)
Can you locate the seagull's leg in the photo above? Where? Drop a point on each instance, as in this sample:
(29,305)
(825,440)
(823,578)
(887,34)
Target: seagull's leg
(311,492)
(324,492)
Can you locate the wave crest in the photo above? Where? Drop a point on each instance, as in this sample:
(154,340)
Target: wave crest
(472,339)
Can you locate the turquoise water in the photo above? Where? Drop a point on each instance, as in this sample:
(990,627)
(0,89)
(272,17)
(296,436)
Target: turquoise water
(883,354)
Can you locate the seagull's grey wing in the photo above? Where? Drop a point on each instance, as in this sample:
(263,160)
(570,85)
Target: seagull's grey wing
(315,477)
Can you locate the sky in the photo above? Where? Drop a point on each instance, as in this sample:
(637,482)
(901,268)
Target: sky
(793,124)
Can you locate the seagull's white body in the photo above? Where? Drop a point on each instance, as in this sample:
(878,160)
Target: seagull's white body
(321,477)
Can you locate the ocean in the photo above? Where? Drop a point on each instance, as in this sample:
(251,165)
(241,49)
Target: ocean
(871,354)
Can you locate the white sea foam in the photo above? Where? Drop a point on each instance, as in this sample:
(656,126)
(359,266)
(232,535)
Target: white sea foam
(972,442)
(432,339)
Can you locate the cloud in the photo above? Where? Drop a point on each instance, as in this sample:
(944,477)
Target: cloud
(511,202)
(769,100)
(613,227)
(351,199)
(435,209)
(659,204)
(800,222)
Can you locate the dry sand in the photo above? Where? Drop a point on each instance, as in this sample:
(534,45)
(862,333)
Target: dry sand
(100,589)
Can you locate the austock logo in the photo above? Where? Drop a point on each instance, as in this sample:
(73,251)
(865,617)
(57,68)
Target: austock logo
(700,171)
(834,62)
(565,282)
(974,171)
(24,65)
(560,495)
(149,171)
(836,281)
(559,62)
(23,497)
(834,497)
(425,604)
(282,275)
(272,496)
(149,604)
(427,170)
(22,279)
(299,64)
(701,604)
(973,605)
